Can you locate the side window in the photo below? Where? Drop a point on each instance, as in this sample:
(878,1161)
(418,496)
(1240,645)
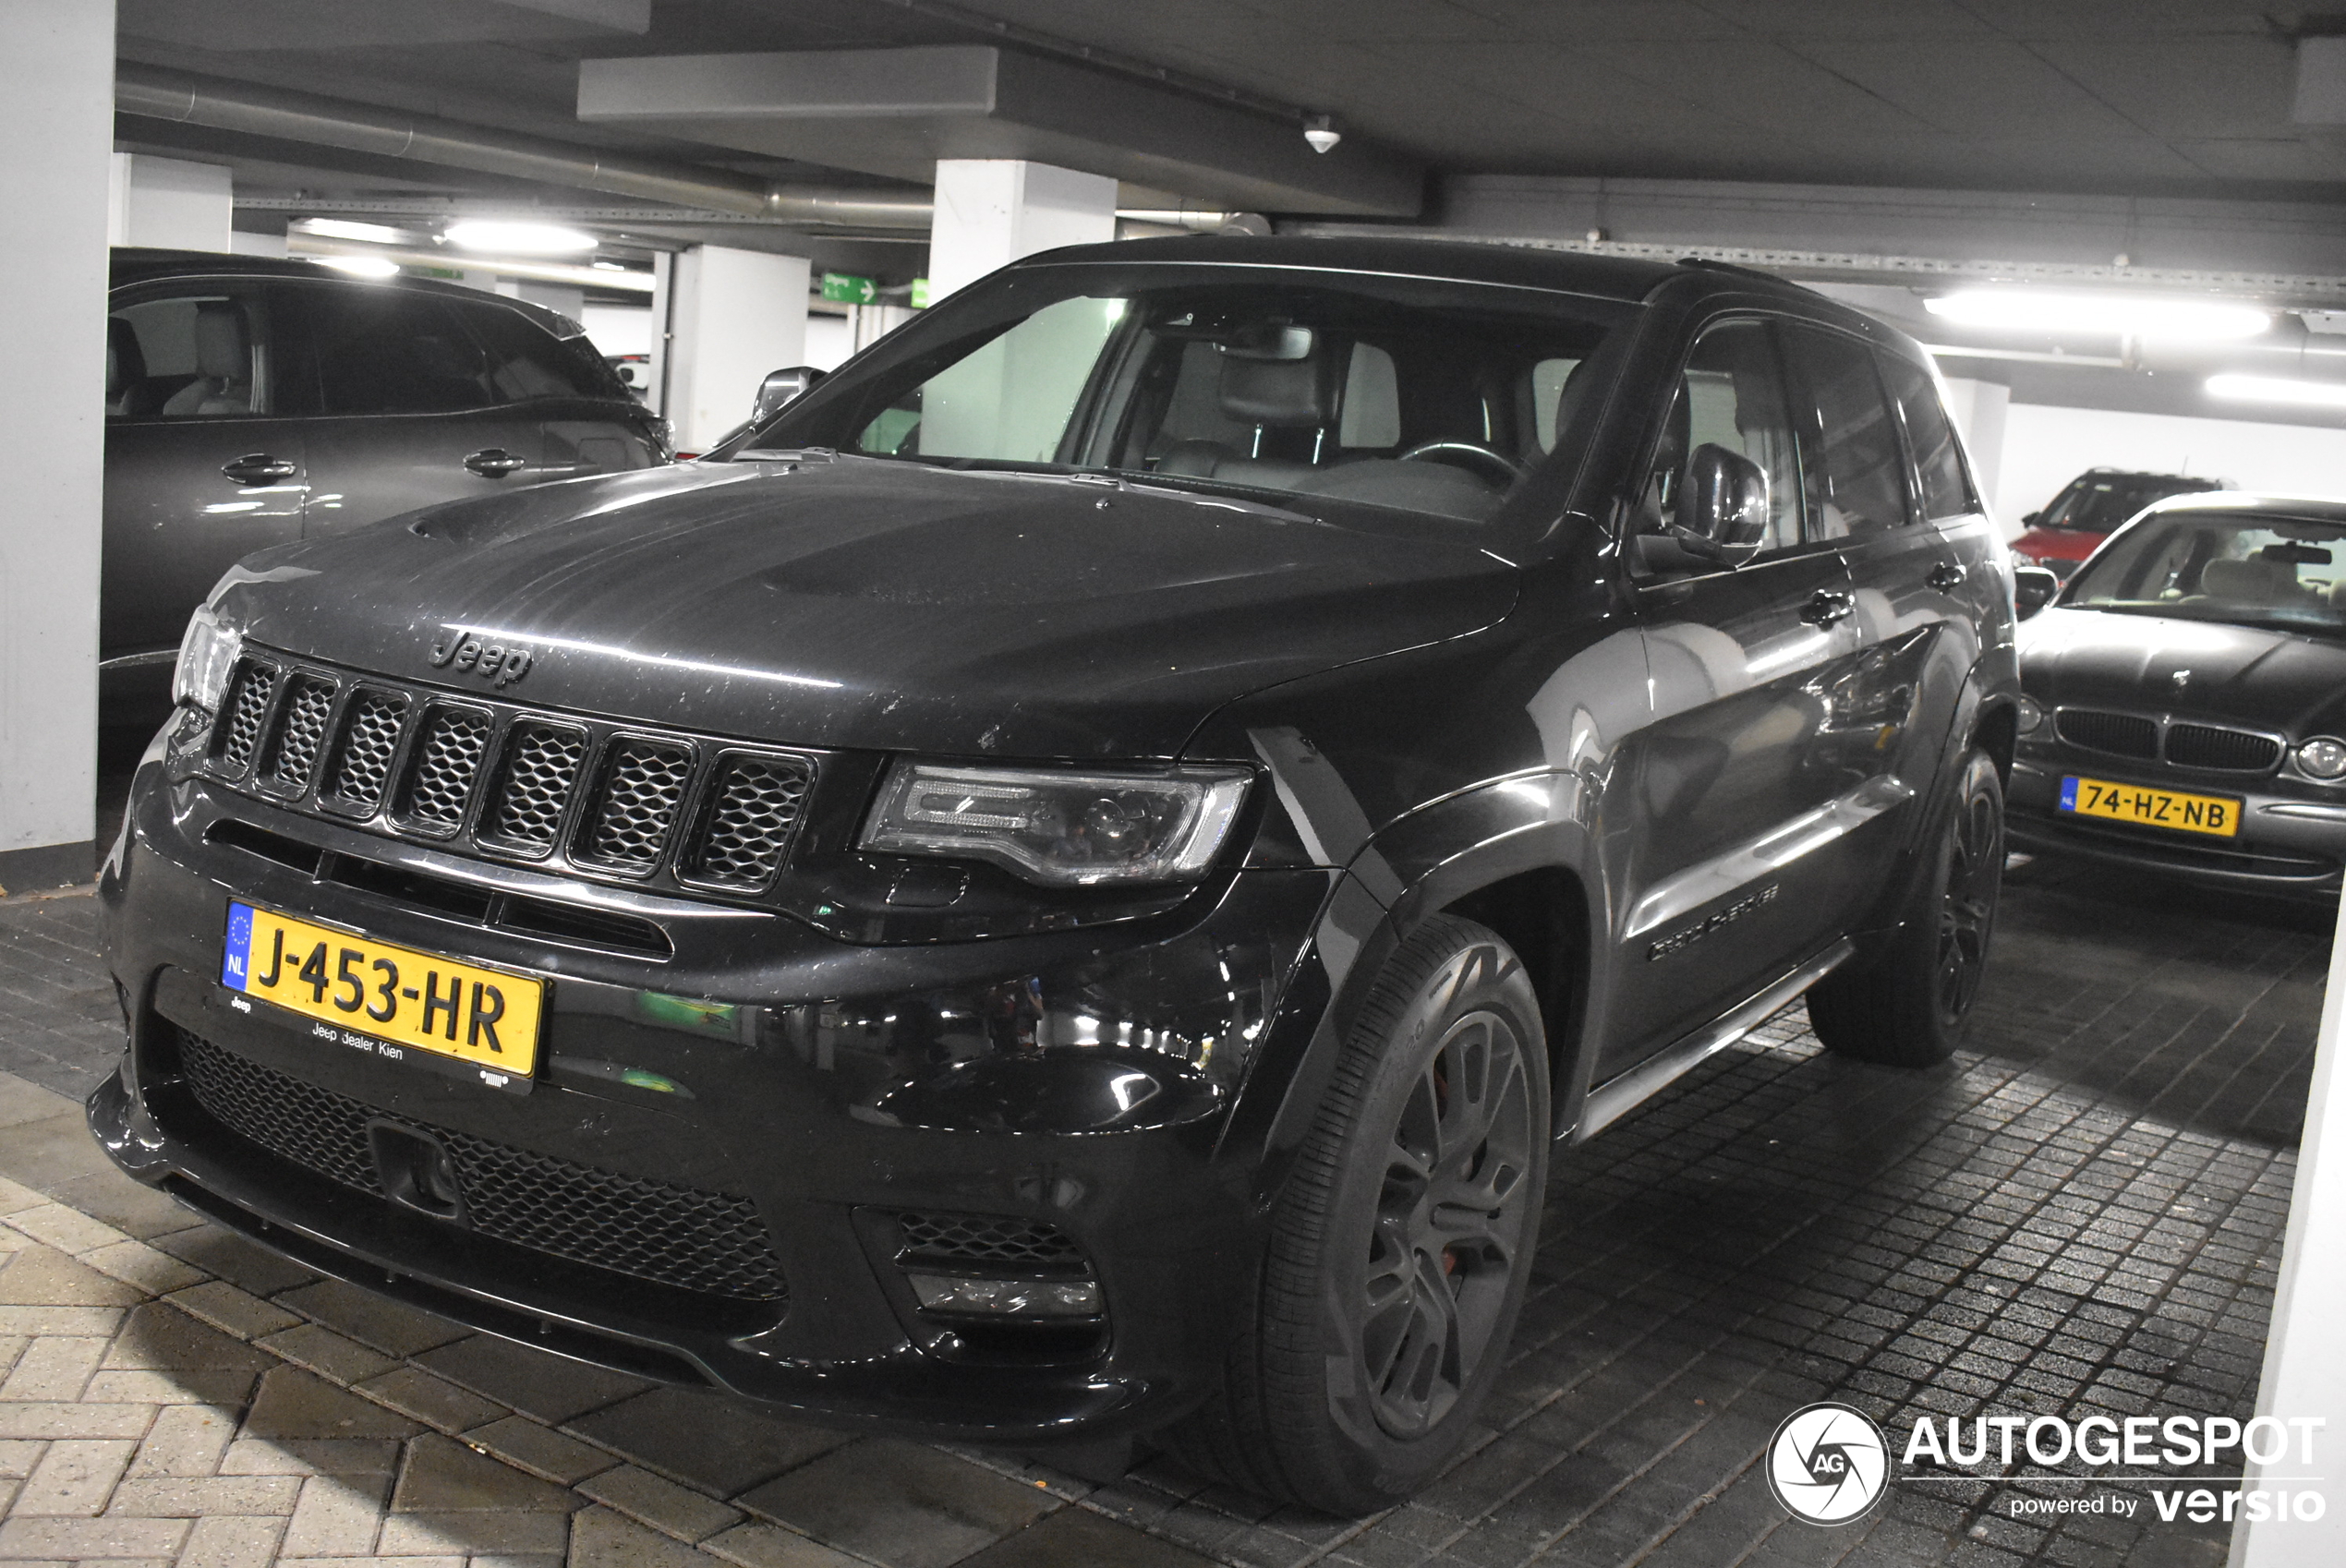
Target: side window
(1946,491)
(205,354)
(381,351)
(1731,394)
(524,361)
(1849,448)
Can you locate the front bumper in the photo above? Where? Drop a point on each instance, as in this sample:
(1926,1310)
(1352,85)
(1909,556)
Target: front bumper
(1077,1083)
(2286,844)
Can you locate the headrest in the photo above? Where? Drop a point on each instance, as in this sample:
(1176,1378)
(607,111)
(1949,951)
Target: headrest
(221,354)
(1574,392)
(125,362)
(1281,394)
(2253,581)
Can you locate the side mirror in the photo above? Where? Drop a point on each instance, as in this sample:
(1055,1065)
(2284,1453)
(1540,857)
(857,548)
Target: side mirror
(1721,516)
(2030,519)
(780,388)
(2033,587)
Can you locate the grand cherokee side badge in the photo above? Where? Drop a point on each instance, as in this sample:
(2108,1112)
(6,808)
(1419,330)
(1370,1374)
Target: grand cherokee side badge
(503,663)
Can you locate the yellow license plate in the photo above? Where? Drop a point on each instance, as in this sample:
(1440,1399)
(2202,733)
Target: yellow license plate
(390,996)
(2215,814)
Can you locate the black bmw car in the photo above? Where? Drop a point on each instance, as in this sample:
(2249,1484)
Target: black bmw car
(1064,884)
(2185,704)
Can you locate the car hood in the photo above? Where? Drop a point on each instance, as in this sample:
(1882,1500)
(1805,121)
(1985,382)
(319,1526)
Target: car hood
(2239,675)
(888,605)
(2058,544)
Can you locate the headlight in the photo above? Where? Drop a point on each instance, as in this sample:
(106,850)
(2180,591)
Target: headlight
(2032,716)
(1067,829)
(207,654)
(2322,757)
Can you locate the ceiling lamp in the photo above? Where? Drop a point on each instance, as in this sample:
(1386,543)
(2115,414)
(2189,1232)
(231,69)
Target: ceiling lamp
(2278,389)
(342,228)
(361,266)
(2110,314)
(519,239)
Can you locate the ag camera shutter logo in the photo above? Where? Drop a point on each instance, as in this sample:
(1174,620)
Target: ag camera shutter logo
(1828,1464)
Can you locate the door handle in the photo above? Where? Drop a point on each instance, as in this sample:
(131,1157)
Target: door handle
(259,468)
(1827,606)
(495,463)
(1946,577)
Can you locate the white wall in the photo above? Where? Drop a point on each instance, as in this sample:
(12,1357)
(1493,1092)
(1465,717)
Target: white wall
(736,316)
(57,139)
(2045,447)
(167,202)
(619,329)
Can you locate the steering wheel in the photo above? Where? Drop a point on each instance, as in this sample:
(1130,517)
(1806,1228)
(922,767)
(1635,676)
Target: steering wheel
(1506,469)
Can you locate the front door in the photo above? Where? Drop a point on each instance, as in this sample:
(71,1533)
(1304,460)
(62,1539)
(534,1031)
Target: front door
(203,467)
(1740,867)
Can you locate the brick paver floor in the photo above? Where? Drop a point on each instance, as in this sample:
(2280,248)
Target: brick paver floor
(2082,1212)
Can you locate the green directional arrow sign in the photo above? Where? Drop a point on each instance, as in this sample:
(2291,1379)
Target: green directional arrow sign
(846,288)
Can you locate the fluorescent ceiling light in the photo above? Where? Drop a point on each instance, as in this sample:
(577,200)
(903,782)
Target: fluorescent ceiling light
(519,239)
(2110,314)
(337,228)
(2278,389)
(361,266)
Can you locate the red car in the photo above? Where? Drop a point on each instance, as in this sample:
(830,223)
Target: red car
(2089,509)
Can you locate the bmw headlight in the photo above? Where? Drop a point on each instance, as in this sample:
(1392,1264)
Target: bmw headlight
(1066,829)
(207,654)
(2322,758)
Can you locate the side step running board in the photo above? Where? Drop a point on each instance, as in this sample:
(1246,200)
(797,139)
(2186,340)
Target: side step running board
(1617,1098)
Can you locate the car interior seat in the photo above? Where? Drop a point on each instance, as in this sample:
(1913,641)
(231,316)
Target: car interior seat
(126,369)
(2250,582)
(224,364)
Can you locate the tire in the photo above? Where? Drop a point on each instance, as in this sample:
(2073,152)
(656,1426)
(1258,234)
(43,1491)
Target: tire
(1378,1317)
(1907,1007)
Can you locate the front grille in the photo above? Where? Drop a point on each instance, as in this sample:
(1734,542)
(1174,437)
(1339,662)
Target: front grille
(309,700)
(247,709)
(710,1242)
(2230,750)
(643,786)
(997,1240)
(2121,734)
(575,794)
(447,762)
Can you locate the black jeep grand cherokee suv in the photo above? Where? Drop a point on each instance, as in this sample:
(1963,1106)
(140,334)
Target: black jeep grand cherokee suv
(1064,886)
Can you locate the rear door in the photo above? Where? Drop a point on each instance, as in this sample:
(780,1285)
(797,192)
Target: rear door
(1739,870)
(411,411)
(205,463)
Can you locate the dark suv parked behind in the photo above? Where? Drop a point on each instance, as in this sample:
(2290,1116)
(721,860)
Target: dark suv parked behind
(1064,886)
(250,403)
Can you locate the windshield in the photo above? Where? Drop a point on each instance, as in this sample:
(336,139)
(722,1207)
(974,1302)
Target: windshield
(2100,505)
(1421,395)
(2270,572)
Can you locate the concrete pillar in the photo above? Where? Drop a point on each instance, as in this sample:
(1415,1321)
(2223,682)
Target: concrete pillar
(1978,408)
(2304,1388)
(56,141)
(990,211)
(734,316)
(168,203)
(566,299)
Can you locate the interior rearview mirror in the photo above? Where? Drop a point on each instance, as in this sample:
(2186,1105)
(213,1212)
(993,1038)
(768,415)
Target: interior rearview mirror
(1722,512)
(779,388)
(2033,587)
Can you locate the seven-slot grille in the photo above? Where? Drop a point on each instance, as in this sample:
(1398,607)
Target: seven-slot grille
(711,1242)
(598,799)
(2211,747)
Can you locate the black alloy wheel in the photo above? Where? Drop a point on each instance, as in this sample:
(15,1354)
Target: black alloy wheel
(1967,911)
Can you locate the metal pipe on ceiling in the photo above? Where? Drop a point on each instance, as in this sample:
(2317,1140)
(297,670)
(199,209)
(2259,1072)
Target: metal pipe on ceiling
(156,93)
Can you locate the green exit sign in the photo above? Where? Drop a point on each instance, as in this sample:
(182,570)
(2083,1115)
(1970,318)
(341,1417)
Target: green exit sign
(846,288)
(920,294)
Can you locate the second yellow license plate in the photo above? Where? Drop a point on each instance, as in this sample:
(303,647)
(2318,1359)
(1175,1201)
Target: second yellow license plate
(2215,814)
(405,999)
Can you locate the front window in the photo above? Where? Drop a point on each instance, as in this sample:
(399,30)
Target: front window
(2098,505)
(1415,395)
(2278,574)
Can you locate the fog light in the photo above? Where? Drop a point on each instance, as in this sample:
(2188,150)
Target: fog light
(2032,716)
(1008,1298)
(2322,757)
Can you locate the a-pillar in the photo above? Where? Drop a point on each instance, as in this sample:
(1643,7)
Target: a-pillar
(734,316)
(2300,1404)
(56,137)
(990,211)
